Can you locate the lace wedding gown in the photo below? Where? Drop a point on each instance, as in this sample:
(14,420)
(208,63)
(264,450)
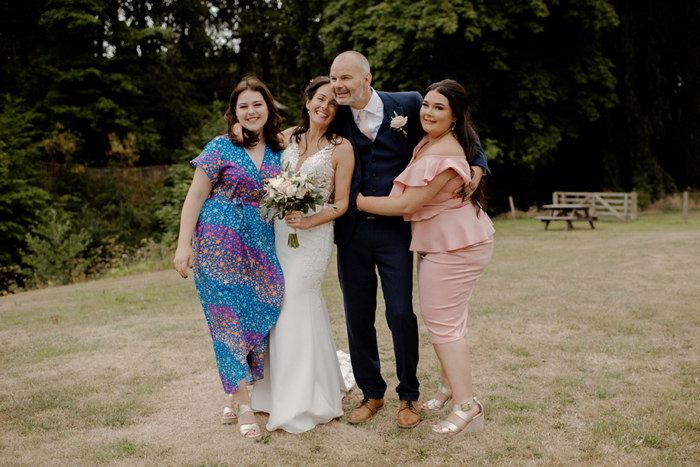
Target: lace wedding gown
(303,381)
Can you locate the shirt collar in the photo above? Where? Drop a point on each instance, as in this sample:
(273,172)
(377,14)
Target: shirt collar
(371,107)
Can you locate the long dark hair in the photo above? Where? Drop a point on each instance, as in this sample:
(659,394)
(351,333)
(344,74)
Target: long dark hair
(463,128)
(305,123)
(271,130)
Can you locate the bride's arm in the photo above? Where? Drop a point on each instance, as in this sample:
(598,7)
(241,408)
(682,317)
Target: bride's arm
(410,201)
(343,160)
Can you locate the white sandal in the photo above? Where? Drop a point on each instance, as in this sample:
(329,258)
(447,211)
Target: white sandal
(249,427)
(229,415)
(474,424)
(433,405)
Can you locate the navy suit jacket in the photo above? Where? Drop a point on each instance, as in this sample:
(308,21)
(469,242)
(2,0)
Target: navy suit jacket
(378,163)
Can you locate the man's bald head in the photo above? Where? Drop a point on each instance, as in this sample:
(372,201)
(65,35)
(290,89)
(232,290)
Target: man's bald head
(351,79)
(359,60)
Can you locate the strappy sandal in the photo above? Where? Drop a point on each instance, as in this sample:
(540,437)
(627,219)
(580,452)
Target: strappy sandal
(474,424)
(433,405)
(229,415)
(248,428)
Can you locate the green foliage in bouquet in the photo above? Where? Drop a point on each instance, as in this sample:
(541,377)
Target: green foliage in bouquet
(290,191)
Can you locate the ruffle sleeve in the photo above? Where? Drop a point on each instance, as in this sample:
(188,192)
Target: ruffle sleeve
(427,168)
(210,159)
(423,172)
(445,223)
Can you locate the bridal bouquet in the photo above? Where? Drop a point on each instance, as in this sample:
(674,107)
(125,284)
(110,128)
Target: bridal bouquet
(290,191)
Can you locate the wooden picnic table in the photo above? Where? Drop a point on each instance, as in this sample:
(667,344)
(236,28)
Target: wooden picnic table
(568,213)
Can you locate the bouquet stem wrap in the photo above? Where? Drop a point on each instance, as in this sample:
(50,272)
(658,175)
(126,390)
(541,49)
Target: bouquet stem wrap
(293,240)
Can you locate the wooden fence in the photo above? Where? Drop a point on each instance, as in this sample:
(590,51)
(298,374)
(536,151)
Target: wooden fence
(140,175)
(605,206)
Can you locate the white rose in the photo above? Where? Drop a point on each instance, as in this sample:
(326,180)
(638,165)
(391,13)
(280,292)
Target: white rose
(301,192)
(283,186)
(399,121)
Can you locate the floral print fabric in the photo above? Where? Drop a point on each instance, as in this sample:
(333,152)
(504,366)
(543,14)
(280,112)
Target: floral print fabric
(238,277)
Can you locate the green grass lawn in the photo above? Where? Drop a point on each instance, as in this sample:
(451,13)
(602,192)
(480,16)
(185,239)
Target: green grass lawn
(585,350)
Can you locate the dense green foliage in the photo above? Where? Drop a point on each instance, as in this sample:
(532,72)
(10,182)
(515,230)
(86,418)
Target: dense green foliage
(55,250)
(535,70)
(567,95)
(650,141)
(21,194)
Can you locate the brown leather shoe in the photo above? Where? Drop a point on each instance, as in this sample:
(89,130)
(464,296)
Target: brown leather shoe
(409,414)
(365,410)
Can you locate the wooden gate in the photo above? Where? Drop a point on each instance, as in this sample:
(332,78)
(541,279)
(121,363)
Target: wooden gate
(606,206)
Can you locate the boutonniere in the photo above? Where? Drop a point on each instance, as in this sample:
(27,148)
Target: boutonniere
(398,122)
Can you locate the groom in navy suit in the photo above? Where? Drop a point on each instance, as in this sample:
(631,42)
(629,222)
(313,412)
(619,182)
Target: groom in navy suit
(366,241)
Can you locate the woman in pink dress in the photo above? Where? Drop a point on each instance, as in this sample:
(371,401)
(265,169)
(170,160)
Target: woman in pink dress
(453,237)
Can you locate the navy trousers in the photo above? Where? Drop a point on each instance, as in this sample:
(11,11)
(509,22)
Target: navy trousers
(383,244)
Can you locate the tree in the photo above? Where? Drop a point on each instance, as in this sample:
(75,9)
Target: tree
(535,70)
(55,250)
(652,139)
(277,41)
(20,194)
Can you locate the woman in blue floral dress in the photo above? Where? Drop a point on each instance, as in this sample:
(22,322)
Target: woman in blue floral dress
(231,247)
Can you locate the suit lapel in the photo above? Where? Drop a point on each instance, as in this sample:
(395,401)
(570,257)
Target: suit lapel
(391,105)
(346,130)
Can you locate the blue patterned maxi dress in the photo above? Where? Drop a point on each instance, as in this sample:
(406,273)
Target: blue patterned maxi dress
(236,271)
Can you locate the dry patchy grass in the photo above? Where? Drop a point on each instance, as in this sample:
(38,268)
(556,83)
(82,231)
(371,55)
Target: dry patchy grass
(584,348)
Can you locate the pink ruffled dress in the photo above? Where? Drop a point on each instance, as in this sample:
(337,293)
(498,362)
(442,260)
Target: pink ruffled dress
(454,245)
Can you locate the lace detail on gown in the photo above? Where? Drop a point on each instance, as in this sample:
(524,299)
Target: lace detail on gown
(315,244)
(318,166)
(303,386)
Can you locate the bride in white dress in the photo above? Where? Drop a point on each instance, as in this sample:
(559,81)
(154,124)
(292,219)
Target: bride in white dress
(303,384)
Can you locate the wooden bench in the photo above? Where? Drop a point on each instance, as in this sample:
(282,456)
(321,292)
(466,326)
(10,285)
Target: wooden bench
(568,213)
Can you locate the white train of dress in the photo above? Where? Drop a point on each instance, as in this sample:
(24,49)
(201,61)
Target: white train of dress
(303,384)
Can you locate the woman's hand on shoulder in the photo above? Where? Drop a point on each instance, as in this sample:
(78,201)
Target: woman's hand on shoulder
(287,136)
(238,132)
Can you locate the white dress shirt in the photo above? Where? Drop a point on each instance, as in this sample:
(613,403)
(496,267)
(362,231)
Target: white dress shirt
(375,113)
